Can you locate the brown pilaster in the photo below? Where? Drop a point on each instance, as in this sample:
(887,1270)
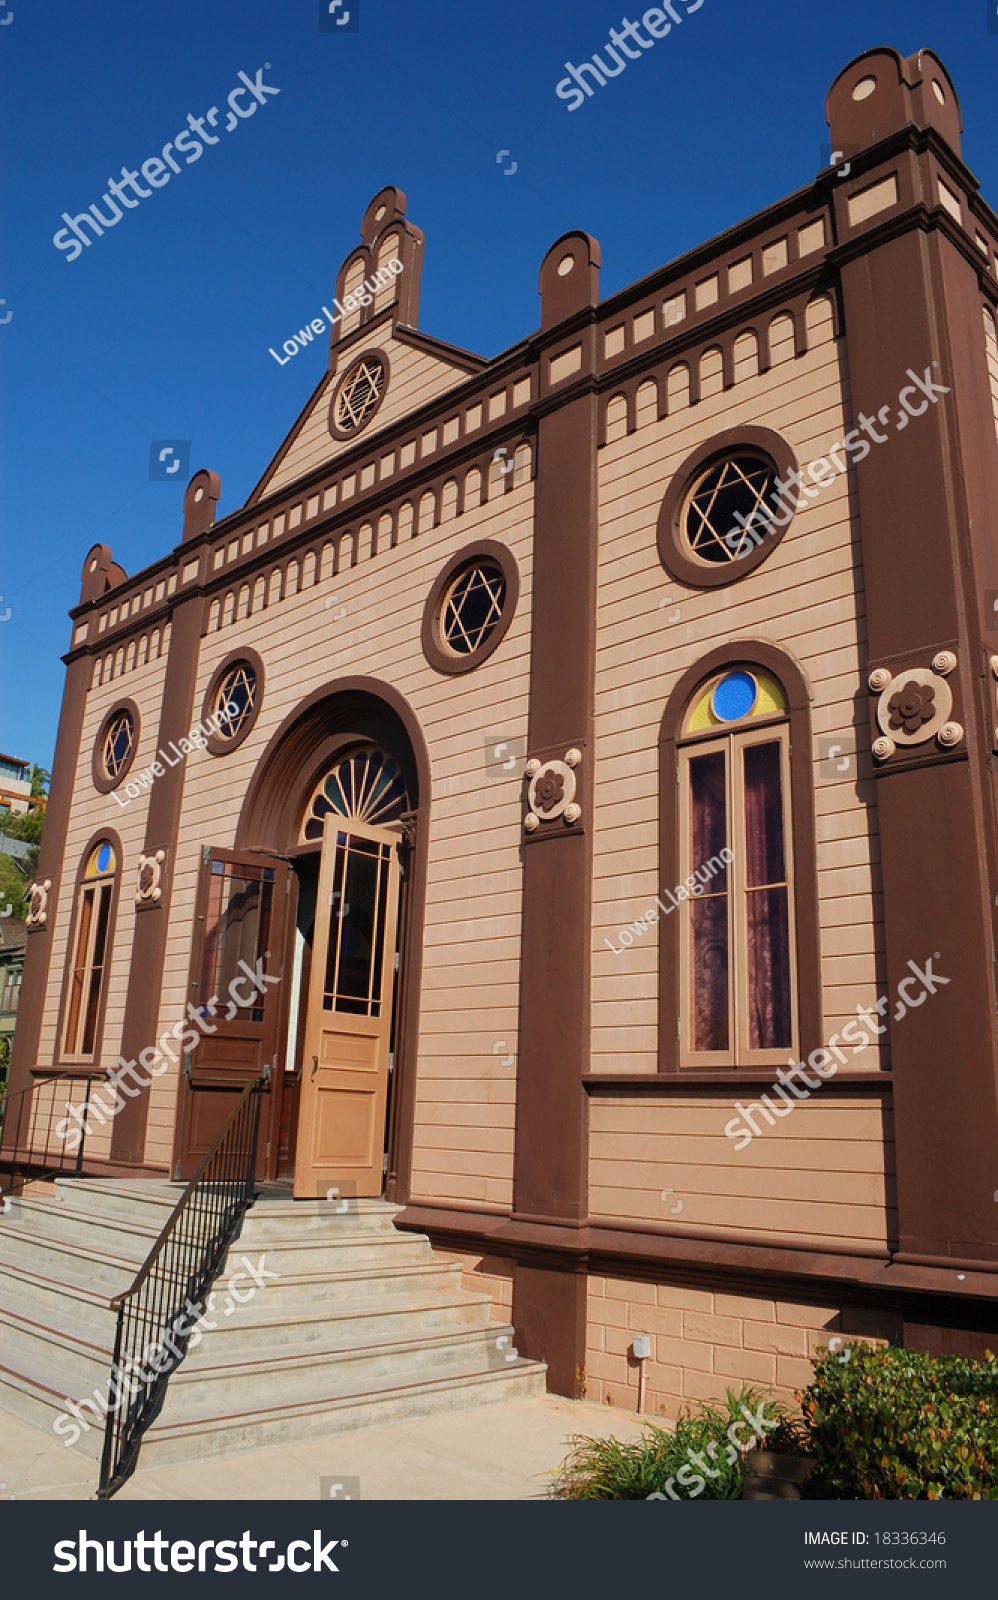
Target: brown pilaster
(550,1173)
(31,1006)
(912,294)
(145,975)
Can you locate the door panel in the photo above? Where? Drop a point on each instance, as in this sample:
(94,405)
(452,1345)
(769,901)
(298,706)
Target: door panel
(240,930)
(345,1064)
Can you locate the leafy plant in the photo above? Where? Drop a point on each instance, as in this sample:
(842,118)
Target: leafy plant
(609,1469)
(895,1424)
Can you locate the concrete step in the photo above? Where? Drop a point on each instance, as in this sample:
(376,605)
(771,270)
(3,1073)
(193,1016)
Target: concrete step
(61,1219)
(66,1260)
(136,1200)
(296,1374)
(269,1218)
(176,1437)
(342,1322)
(30,1394)
(58,1302)
(74,1364)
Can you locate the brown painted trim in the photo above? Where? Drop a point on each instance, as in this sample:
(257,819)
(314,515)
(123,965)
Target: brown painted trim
(149,941)
(350,710)
(697,1079)
(100,1168)
(914,298)
(550,1172)
(372,353)
(101,781)
(114,840)
(454,354)
(673,551)
(783,1271)
(787,672)
(215,744)
(436,652)
(34,985)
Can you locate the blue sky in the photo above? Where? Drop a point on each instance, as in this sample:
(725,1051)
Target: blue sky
(161,328)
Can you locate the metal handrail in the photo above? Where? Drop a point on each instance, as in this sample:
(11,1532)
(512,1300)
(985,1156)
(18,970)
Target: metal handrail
(36,1153)
(158,1313)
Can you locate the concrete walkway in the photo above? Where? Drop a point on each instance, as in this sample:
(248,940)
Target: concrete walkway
(498,1452)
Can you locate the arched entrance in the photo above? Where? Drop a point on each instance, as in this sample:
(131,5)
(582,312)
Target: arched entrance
(323,888)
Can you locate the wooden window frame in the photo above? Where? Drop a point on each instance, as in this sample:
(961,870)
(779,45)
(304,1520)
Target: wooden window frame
(77,1059)
(762,730)
(798,796)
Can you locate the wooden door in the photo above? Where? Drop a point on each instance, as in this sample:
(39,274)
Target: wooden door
(236,987)
(345,1061)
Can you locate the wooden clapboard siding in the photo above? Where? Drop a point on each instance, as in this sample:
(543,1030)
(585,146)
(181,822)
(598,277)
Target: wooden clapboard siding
(806,598)
(823,1172)
(471,943)
(415,379)
(88,812)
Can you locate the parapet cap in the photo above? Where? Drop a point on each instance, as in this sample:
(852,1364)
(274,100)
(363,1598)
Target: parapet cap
(100,573)
(569,277)
(880,92)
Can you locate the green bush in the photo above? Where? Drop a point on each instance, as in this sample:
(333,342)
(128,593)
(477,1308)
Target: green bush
(898,1425)
(606,1469)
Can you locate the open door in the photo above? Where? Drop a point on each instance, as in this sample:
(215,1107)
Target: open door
(236,988)
(345,1061)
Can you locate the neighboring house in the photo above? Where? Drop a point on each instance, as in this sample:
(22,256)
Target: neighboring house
(13,939)
(15,784)
(712,558)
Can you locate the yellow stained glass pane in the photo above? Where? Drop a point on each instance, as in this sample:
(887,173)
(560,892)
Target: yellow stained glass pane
(102,861)
(770,701)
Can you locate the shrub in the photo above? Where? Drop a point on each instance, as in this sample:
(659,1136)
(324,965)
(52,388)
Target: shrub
(899,1425)
(607,1469)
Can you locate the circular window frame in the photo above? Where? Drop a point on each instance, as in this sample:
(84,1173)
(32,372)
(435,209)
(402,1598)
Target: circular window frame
(372,354)
(435,651)
(101,781)
(214,743)
(672,548)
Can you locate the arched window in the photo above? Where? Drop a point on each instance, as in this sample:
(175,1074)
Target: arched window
(739,939)
(367,786)
(736,927)
(89,951)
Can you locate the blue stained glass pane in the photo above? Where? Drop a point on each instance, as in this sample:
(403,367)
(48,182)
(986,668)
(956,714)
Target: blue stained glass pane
(103,858)
(734,696)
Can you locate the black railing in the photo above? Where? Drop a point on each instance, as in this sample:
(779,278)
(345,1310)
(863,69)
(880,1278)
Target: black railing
(157,1315)
(31,1145)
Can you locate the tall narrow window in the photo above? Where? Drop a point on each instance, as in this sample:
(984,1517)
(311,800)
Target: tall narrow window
(738,1005)
(89,954)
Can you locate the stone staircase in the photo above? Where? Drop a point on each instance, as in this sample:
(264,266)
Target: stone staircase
(343,1322)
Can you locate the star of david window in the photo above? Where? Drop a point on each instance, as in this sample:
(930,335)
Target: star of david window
(119,742)
(728,504)
(235,699)
(358,397)
(472,607)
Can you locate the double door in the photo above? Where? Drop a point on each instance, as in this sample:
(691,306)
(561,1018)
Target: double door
(345,1018)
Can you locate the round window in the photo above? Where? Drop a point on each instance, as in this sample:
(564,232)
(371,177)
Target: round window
(358,396)
(472,607)
(235,699)
(727,507)
(119,742)
(734,696)
(727,512)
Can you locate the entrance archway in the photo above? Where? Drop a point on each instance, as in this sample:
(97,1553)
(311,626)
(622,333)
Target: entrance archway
(333,723)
